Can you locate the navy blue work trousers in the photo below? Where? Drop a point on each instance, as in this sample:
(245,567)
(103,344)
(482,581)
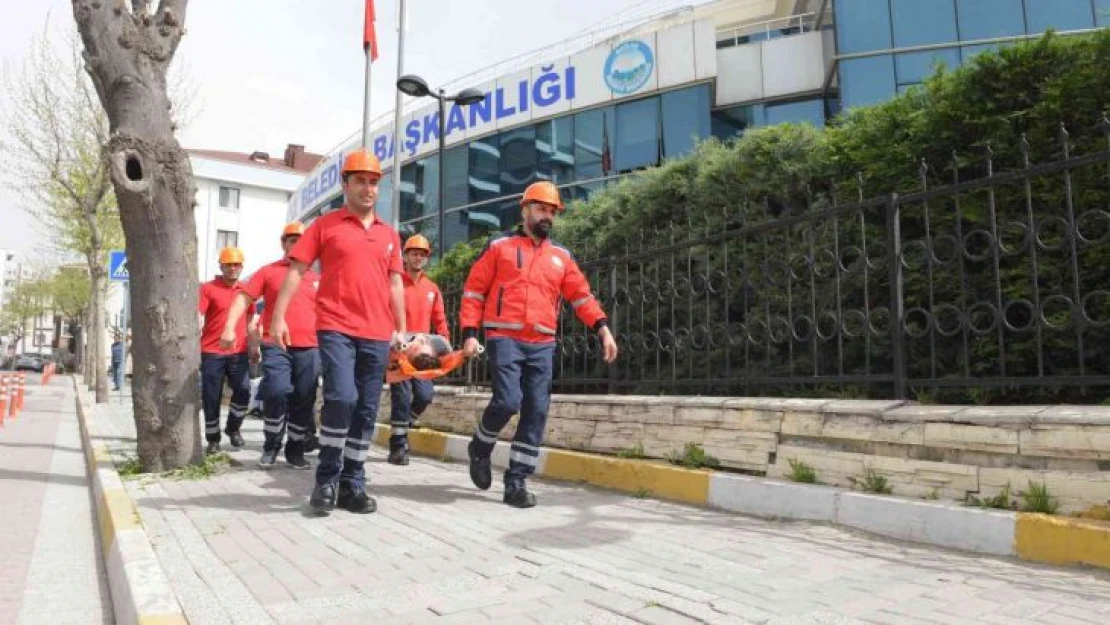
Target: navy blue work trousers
(521,373)
(288,391)
(407,400)
(214,370)
(354,371)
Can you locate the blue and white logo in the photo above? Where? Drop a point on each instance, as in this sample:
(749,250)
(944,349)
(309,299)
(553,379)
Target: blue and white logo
(629,67)
(117,266)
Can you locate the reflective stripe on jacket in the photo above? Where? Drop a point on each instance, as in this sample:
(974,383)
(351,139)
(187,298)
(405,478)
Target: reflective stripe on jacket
(515,286)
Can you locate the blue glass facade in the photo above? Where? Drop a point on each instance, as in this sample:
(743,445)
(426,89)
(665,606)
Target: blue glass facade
(883,47)
(871,33)
(581,152)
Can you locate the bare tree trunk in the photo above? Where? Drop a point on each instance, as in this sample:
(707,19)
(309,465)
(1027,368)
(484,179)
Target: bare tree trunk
(127,53)
(100,368)
(90,321)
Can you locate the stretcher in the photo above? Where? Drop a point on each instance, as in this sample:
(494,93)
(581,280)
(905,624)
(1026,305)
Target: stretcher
(401,367)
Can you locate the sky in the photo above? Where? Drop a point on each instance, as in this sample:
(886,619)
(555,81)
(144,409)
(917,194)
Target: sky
(266,73)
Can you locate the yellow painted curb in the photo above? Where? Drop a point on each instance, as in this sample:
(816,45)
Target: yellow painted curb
(117,514)
(162,619)
(678,484)
(1062,540)
(427,442)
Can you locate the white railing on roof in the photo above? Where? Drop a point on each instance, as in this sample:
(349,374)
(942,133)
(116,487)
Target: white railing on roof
(804,22)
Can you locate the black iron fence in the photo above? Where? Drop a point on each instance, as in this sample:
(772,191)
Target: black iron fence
(994,282)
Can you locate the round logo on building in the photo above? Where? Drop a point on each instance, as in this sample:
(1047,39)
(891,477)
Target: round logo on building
(629,67)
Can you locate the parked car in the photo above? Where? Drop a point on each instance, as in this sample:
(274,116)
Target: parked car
(30,362)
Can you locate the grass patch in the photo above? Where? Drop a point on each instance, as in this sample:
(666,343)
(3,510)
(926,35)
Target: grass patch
(872,482)
(1038,499)
(642,493)
(634,452)
(212,465)
(129,468)
(1001,501)
(693,456)
(802,472)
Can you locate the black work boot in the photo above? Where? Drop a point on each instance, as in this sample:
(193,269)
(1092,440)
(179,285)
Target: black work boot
(269,457)
(356,501)
(480,471)
(398,456)
(213,447)
(294,455)
(517,495)
(236,439)
(322,500)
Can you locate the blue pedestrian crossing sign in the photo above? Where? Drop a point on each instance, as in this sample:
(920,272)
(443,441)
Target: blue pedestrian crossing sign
(117,266)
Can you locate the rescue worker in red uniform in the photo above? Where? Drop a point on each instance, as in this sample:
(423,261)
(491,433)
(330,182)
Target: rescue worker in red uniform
(219,363)
(289,376)
(514,291)
(424,311)
(360,312)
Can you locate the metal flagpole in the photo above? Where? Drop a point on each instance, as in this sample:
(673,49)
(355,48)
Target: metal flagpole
(368,46)
(366,105)
(395,200)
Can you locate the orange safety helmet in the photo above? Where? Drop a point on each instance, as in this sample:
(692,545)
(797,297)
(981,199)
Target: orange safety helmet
(293,228)
(231,256)
(418,242)
(361,161)
(543,191)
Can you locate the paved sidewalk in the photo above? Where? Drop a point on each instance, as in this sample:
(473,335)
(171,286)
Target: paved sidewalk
(238,550)
(50,567)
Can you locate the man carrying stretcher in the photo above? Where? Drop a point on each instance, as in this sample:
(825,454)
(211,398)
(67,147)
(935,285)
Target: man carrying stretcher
(410,394)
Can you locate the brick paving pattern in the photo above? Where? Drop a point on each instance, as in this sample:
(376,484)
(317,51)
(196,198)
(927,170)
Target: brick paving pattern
(239,550)
(50,566)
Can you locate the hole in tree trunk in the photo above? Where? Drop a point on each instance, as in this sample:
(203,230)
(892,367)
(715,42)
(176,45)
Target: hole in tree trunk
(134,168)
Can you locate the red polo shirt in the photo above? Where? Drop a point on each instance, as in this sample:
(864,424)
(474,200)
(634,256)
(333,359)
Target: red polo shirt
(424,306)
(300,316)
(214,303)
(355,266)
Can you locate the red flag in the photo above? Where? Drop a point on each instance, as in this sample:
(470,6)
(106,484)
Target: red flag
(369,37)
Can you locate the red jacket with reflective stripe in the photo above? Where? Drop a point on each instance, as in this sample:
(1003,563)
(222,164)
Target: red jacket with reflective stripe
(515,286)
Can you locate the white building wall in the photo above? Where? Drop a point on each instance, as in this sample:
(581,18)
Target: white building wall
(258,221)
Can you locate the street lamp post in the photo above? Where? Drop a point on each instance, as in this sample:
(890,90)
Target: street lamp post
(417,87)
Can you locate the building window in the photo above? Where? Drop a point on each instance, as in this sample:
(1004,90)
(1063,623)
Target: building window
(866,81)
(518,159)
(921,22)
(456,182)
(485,174)
(1040,15)
(733,121)
(384,206)
(914,67)
(637,135)
(229,198)
(984,19)
(419,184)
(226,238)
(594,139)
(862,26)
(555,150)
(685,119)
(805,111)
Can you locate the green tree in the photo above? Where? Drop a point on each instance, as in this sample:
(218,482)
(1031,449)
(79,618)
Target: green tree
(54,160)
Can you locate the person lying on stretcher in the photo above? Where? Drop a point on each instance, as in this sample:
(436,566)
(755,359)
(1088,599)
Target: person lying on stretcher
(423,356)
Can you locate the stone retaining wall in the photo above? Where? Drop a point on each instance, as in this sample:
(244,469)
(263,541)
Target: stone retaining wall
(946,452)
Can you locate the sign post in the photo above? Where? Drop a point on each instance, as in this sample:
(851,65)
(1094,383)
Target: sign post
(118,272)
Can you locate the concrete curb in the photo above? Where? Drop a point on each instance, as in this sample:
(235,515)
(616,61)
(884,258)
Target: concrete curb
(141,593)
(1035,537)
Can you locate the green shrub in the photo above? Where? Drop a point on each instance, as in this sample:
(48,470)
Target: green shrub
(802,472)
(693,456)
